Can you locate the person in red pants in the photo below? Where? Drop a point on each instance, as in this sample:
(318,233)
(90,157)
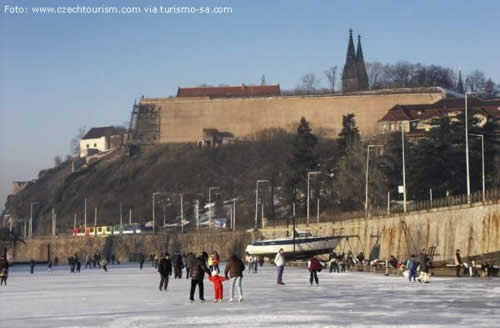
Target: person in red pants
(217,281)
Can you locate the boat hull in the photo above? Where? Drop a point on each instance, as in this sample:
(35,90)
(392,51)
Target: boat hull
(304,247)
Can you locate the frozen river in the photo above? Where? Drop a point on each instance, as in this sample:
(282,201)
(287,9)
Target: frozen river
(127,297)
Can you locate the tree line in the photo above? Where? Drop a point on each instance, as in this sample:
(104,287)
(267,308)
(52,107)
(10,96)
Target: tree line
(401,75)
(435,161)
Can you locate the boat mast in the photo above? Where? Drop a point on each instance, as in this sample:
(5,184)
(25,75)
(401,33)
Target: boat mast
(293,233)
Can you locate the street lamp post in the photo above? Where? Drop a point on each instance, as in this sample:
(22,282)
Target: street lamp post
(467,145)
(209,204)
(404,166)
(366,182)
(257,200)
(53,222)
(182,213)
(85,217)
(121,218)
(467,149)
(164,220)
(31,219)
(95,221)
(154,195)
(197,214)
(234,214)
(482,163)
(308,192)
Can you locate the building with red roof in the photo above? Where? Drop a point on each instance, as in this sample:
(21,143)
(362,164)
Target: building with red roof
(418,118)
(242,91)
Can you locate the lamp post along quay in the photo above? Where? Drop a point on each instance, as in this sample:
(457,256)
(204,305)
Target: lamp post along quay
(467,149)
(31,219)
(182,213)
(85,217)
(233,214)
(483,173)
(257,200)
(467,144)
(403,159)
(308,191)
(367,172)
(210,205)
(154,195)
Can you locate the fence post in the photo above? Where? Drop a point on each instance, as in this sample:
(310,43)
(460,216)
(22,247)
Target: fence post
(388,203)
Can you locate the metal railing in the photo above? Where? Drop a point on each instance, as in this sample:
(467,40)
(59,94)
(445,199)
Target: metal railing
(491,196)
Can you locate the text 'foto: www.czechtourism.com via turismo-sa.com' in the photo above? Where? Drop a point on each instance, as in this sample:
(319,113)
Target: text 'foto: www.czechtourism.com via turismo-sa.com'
(82,9)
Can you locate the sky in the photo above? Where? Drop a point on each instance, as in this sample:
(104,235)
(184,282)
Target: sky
(62,72)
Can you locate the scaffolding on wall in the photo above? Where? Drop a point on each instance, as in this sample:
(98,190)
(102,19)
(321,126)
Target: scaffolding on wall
(144,127)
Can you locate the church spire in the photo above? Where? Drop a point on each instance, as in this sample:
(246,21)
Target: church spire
(359,51)
(350,72)
(354,76)
(351,55)
(360,63)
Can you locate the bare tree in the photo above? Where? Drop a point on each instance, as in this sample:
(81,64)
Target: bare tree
(331,75)
(263,80)
(57,160)
(309,82)
(376,72)
(435,76)
(490,89)
(475,81)
(75,142)
(402,73)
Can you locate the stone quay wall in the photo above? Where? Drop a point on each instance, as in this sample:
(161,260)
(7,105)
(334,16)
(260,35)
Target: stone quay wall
(474,229)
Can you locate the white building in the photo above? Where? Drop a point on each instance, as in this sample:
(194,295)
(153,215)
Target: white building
(100,139)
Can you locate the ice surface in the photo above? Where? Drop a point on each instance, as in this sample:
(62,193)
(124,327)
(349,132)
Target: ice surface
(127,297)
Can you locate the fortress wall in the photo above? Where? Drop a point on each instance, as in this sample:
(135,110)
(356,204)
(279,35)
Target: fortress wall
(183,119)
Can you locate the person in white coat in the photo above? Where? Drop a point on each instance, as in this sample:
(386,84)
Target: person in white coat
(279,260)
(249,260)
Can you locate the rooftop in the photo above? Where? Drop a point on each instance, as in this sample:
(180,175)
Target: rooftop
(231,91)
(440,108)
(105,131)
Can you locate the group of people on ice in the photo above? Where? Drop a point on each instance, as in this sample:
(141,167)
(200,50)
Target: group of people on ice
(422,265)
(313,265)
(344,262)
(197,267)
(95,261)
(253,262)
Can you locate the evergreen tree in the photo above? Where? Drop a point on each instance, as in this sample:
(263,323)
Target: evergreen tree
(349,178)
(304,159)
(349,136)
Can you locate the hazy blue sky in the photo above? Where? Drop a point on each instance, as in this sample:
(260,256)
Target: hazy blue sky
(58,73)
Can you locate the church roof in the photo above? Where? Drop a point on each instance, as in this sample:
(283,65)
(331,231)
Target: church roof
(231,91)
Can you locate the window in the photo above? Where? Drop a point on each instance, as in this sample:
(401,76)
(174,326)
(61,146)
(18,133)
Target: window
(95,145)
(88,145)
